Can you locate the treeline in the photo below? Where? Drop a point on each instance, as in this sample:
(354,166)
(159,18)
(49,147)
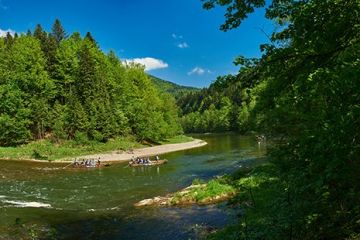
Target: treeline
(217,108)
(64,87)
(173,89)
(305,91)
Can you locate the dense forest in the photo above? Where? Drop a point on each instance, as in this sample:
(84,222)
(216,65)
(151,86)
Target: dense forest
(173,89)
(64,87)
(303,91)
(217,108)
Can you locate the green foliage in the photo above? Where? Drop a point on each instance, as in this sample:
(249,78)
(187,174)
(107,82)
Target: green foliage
(57,31)
(59,87)
(48,150)
(260,196)
(215,109)
(177,139)
(236,12)
(200,192)
(303,89)
(168,87)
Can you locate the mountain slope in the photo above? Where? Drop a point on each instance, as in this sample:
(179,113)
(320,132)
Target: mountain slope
(172,88)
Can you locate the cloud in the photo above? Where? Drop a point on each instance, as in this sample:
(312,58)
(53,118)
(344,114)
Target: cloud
(199,71)
(175,36)
(183,45)
(4,32)
(149,63)
(179,41)
(2,6)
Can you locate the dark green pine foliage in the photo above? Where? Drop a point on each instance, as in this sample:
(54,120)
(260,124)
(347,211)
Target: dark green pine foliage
(59,87)
(213,109)
(58,32)
(89,37)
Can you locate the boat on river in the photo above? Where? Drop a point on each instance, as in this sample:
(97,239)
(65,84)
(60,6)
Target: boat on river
(90,166)
(151,163)
(86,163)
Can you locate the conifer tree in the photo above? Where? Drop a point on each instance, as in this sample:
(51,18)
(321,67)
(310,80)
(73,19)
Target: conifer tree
(89,37)
(39,33)
(58,32)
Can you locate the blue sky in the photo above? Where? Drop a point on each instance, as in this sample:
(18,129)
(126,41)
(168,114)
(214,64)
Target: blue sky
(177,39)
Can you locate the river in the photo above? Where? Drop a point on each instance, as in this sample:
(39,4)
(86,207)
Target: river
(98,203)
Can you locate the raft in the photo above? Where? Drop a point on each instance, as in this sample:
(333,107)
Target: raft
(153,163)
(90,166)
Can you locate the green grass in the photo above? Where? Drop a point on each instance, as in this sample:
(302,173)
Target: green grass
(258,193)
(177,139)
(48,150)
(204,192)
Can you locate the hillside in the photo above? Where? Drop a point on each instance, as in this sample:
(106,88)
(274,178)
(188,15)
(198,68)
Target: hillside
(172,88)
(65,87)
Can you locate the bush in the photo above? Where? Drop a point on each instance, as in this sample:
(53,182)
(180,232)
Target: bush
(81,138)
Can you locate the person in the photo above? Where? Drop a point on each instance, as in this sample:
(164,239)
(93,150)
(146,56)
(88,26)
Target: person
(98,162)
(157,158)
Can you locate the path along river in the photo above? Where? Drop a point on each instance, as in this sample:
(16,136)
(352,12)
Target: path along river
(98,203)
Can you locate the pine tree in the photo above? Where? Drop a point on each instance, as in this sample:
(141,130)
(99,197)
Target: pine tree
(58,32)
(89,37)
(9,39)
(39,33)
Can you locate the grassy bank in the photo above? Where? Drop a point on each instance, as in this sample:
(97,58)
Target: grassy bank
(258,192)
(198,192)
(204,193)
(177,139)
(48,150)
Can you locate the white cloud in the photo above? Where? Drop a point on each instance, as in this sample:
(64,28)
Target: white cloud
(4,32)
(197,70)
(149,63)
(2,6)
(175,36)
(183,45)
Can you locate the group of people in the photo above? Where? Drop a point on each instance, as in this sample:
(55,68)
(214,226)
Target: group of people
(87,162)
(142,160)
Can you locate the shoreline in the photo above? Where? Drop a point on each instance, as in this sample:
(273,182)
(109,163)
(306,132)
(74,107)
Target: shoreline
(115,156)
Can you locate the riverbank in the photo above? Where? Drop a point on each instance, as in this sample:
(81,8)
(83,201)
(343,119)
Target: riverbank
(200,193)
(115,150)
(147,151)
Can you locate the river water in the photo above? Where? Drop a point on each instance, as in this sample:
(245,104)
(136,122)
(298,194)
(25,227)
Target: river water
(98,203)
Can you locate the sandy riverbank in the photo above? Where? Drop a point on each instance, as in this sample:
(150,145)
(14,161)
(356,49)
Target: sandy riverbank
(147,151)
(116,156)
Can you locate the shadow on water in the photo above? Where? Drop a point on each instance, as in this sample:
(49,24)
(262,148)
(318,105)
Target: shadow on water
(98,203)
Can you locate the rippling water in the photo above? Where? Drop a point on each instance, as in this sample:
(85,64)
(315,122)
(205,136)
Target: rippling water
(98,203)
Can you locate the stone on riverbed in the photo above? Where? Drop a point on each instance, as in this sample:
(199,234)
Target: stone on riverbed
(153,201)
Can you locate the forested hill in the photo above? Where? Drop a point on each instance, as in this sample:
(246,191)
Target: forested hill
(172,88)
(60,86)
(217,108)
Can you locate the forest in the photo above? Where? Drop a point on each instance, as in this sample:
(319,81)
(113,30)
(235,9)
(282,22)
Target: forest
(304,93)
(60,87)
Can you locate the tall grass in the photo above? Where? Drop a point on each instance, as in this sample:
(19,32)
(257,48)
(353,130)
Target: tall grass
(48,150)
